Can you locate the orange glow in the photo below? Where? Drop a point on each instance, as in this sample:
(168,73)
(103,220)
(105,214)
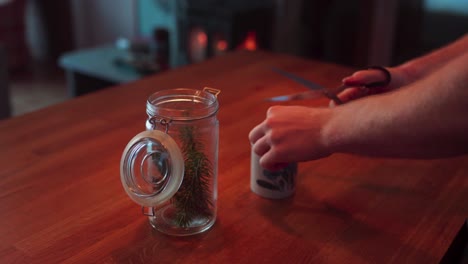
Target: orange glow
(221,45)
(197,49)
(202,38)
(250,42)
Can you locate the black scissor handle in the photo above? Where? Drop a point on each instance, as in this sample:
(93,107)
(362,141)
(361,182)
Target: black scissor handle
(388,77)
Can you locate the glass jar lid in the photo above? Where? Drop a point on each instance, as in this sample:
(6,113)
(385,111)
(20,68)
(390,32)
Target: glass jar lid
(151,168)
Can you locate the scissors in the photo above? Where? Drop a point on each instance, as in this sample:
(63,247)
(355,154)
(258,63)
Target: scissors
(317,90)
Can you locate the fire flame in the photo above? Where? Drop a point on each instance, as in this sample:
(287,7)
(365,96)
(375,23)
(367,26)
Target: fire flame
(202,38)
(221,45)
(250,42)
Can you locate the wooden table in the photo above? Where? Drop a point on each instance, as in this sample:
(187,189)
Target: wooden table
(61,198)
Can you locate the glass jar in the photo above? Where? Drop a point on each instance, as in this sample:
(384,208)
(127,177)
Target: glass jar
(171,168)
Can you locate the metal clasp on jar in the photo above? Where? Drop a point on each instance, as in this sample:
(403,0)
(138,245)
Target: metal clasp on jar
(163,121)
(212,91)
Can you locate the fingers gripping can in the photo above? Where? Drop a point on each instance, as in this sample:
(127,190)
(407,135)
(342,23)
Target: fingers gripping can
(272,184)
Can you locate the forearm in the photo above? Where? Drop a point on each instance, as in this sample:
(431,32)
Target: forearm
(421,66)
(427,119)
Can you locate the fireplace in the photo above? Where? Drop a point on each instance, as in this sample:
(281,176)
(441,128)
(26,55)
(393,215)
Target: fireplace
(212,27)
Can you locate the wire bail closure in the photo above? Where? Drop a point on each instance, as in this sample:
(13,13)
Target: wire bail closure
(212,91)
(160,120)
(148,211)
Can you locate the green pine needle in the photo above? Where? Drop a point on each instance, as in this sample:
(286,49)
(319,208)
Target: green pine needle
(193,200)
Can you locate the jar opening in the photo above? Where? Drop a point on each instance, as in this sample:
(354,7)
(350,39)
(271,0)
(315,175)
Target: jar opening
(182,104)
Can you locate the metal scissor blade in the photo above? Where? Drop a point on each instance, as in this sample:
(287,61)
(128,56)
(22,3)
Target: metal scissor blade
(316,89)
(298,96)
(300,80)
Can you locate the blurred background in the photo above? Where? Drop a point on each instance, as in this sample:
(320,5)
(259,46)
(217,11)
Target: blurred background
(51,49)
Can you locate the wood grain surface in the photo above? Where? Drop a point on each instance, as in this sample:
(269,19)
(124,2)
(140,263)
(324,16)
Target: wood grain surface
(61,199)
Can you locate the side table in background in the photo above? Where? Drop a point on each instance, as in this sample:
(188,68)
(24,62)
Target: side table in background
(96,68)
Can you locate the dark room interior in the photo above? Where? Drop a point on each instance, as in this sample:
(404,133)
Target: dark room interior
(356,33)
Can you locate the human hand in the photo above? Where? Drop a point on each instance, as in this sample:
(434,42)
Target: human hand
(290,134)
(359,79)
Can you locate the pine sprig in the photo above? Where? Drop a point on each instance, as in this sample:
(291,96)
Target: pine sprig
(193,200)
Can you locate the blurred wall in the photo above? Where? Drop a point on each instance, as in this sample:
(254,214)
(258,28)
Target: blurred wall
(36,34)
(365,32)
(444,21)
(451,6)
(162,13)
(48,28)
(98,22)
